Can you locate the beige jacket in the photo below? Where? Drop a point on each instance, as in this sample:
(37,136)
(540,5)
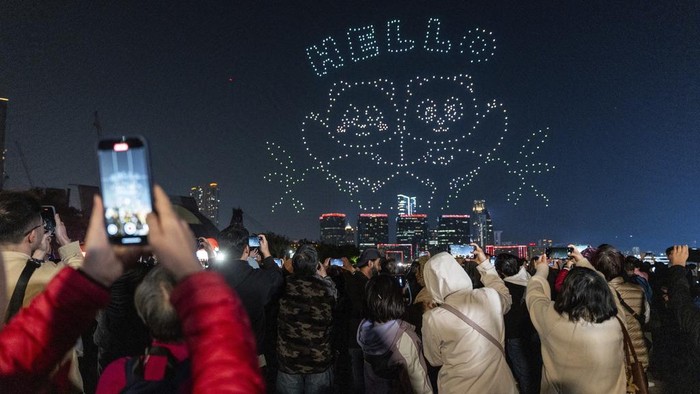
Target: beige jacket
(577,357)
(633,295)
(470,362)
(14,264)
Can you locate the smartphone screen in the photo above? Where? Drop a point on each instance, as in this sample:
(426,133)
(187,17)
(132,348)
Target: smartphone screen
(125,178)
(279,262)
(557,253)
(253,242)
(462,251)
(337,262)
(48,215)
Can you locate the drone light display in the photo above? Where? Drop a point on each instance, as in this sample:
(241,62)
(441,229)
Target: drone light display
(432,134)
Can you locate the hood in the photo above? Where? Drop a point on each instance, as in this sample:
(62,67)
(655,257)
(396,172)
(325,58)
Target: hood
(376,338)
(521,278)
(443,276)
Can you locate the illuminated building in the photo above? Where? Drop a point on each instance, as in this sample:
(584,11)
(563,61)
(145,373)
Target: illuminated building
(481,226)
(406,204)
(403,253)
(413,230)
(497,235)
(349,235)
(332,228)
(372,229)
(453,230)
(3,120)
(518,250)
(207,199)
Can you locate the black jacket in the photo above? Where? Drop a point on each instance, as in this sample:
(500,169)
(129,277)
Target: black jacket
(255,287)
(681,303)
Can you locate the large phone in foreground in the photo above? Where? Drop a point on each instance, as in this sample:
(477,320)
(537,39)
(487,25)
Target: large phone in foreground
(126,185)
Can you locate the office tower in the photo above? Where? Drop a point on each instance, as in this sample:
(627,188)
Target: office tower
(406,204)
(197,192)
(372,228)
(332,228)
(207,201)
(497,234)
(453,230)
(413,230)
(481,228)
(349,235)
(3,121)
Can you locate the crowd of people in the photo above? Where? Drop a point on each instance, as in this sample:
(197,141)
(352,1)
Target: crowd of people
(160,321)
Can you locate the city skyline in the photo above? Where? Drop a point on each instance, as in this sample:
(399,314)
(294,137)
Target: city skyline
(587,113)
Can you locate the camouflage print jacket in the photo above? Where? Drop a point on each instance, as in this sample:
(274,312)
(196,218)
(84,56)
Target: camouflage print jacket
(304,325)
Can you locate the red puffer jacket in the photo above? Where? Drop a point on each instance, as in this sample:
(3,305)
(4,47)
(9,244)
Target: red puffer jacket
(37,338)
(217,331)
(215,325)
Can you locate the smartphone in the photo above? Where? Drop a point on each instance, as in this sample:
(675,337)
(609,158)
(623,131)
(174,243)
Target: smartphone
(694,255)
(466,251)
(48,215)
(337,262)
(254,241)
(126,186)
(423,253)
(401,280)
(279,262)
(557,253)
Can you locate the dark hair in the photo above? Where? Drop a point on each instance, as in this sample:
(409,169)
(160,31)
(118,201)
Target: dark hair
(609,261)
(631,263)
(305,260)
(389,266)
(152,300)
(585,296)
(384,299)
(17,212)
(470,267)
(233,240)
(507,264)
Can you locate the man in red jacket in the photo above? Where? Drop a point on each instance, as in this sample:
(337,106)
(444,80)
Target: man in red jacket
(214,324)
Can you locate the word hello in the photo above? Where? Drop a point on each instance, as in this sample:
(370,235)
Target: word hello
(363,43)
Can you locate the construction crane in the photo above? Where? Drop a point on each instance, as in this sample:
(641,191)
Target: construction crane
(24,164)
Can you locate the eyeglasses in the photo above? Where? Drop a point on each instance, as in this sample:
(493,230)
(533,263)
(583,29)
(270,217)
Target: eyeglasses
(34,228)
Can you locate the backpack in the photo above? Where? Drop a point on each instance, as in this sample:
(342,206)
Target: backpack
(177,374)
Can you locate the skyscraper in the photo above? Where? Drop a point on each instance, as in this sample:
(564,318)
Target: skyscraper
(349,235)
(481,226)
(207,201)
(406,204)
(372,228)
(413,229)
(453,230)
(332,228)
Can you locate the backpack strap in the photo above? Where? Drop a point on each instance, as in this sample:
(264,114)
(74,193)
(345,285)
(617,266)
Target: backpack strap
(629,308)
(475,326)
(17,298)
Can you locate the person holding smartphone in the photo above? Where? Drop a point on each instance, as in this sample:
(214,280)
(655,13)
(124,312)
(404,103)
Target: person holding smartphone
(256,287)
(214,324)
(25,243)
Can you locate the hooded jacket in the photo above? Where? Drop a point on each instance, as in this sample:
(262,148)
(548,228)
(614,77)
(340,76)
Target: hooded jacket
(470,362)
(393,358)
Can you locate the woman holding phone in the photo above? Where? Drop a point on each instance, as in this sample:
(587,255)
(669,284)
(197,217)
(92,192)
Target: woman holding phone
(582,341)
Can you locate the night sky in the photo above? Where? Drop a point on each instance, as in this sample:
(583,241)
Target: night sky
(615,87)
